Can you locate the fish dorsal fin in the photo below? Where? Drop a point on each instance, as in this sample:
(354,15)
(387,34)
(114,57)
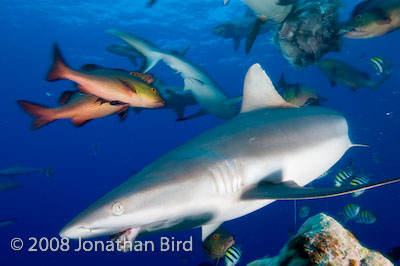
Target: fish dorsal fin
(91,67)
(259,92)
(208,229)
(66,97)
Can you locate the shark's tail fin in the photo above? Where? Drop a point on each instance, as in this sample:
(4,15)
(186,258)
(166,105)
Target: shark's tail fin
(48,171)
(152,55)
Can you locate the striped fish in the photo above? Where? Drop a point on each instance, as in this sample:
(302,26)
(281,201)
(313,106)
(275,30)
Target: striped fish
(381,65)
(342,177)
(350,212)
(232,256)
(366,217)
(360,180)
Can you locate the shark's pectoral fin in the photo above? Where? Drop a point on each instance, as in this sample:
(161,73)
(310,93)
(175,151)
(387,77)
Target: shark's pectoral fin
(251,37)
(208,229)
(260,93)
(236,43)
(195,115)
(290,190)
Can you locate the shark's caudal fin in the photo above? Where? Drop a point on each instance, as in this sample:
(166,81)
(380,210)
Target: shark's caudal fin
(259,92)
(59,67)
(42,115)
(151,53)
(289,190)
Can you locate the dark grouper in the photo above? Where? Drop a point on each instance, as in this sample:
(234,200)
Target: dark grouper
(338,71)
(116,86)
(267,152)
(80,108)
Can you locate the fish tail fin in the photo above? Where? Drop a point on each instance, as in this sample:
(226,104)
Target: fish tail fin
(48,171)
(42,115)
(59,68)
(152,55)
(379,83)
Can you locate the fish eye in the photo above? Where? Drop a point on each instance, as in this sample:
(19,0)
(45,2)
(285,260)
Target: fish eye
(216,236)
(153,90)
(358,17)
(117,208)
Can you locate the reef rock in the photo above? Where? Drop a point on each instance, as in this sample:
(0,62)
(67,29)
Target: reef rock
(321,240)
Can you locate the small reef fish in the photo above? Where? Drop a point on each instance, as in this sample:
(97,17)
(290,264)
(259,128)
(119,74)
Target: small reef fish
(18,170)
(381,65)
(373,18)
(232,256)
(366,217)
(297,94)
(80,108)
(359,180)
(342,177)
(216,245)
(304,211)
(338,71)
(116,86)
(350,212)
(8,186)
(4,223)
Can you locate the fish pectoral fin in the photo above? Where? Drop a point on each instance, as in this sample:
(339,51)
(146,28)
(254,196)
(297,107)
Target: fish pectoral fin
(290,190)
(208,229)
(123,113)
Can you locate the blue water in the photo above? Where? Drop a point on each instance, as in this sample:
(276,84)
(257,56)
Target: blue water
(45,204)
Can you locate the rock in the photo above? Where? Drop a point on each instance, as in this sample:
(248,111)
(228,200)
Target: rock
(322,240)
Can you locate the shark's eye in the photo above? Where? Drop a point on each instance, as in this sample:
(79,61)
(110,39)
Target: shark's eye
(117,208)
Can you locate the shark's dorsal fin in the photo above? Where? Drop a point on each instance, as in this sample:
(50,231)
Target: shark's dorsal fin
(208,229)
(259,92)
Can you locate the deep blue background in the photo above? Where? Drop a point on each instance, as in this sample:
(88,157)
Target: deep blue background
(44,205)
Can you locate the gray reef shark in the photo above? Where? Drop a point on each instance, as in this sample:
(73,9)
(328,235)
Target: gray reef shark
(268,152)
(238,29)
(204,89)
(273,11)
(124,50)
(17,170)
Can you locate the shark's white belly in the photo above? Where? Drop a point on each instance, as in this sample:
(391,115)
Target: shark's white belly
(269,9)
